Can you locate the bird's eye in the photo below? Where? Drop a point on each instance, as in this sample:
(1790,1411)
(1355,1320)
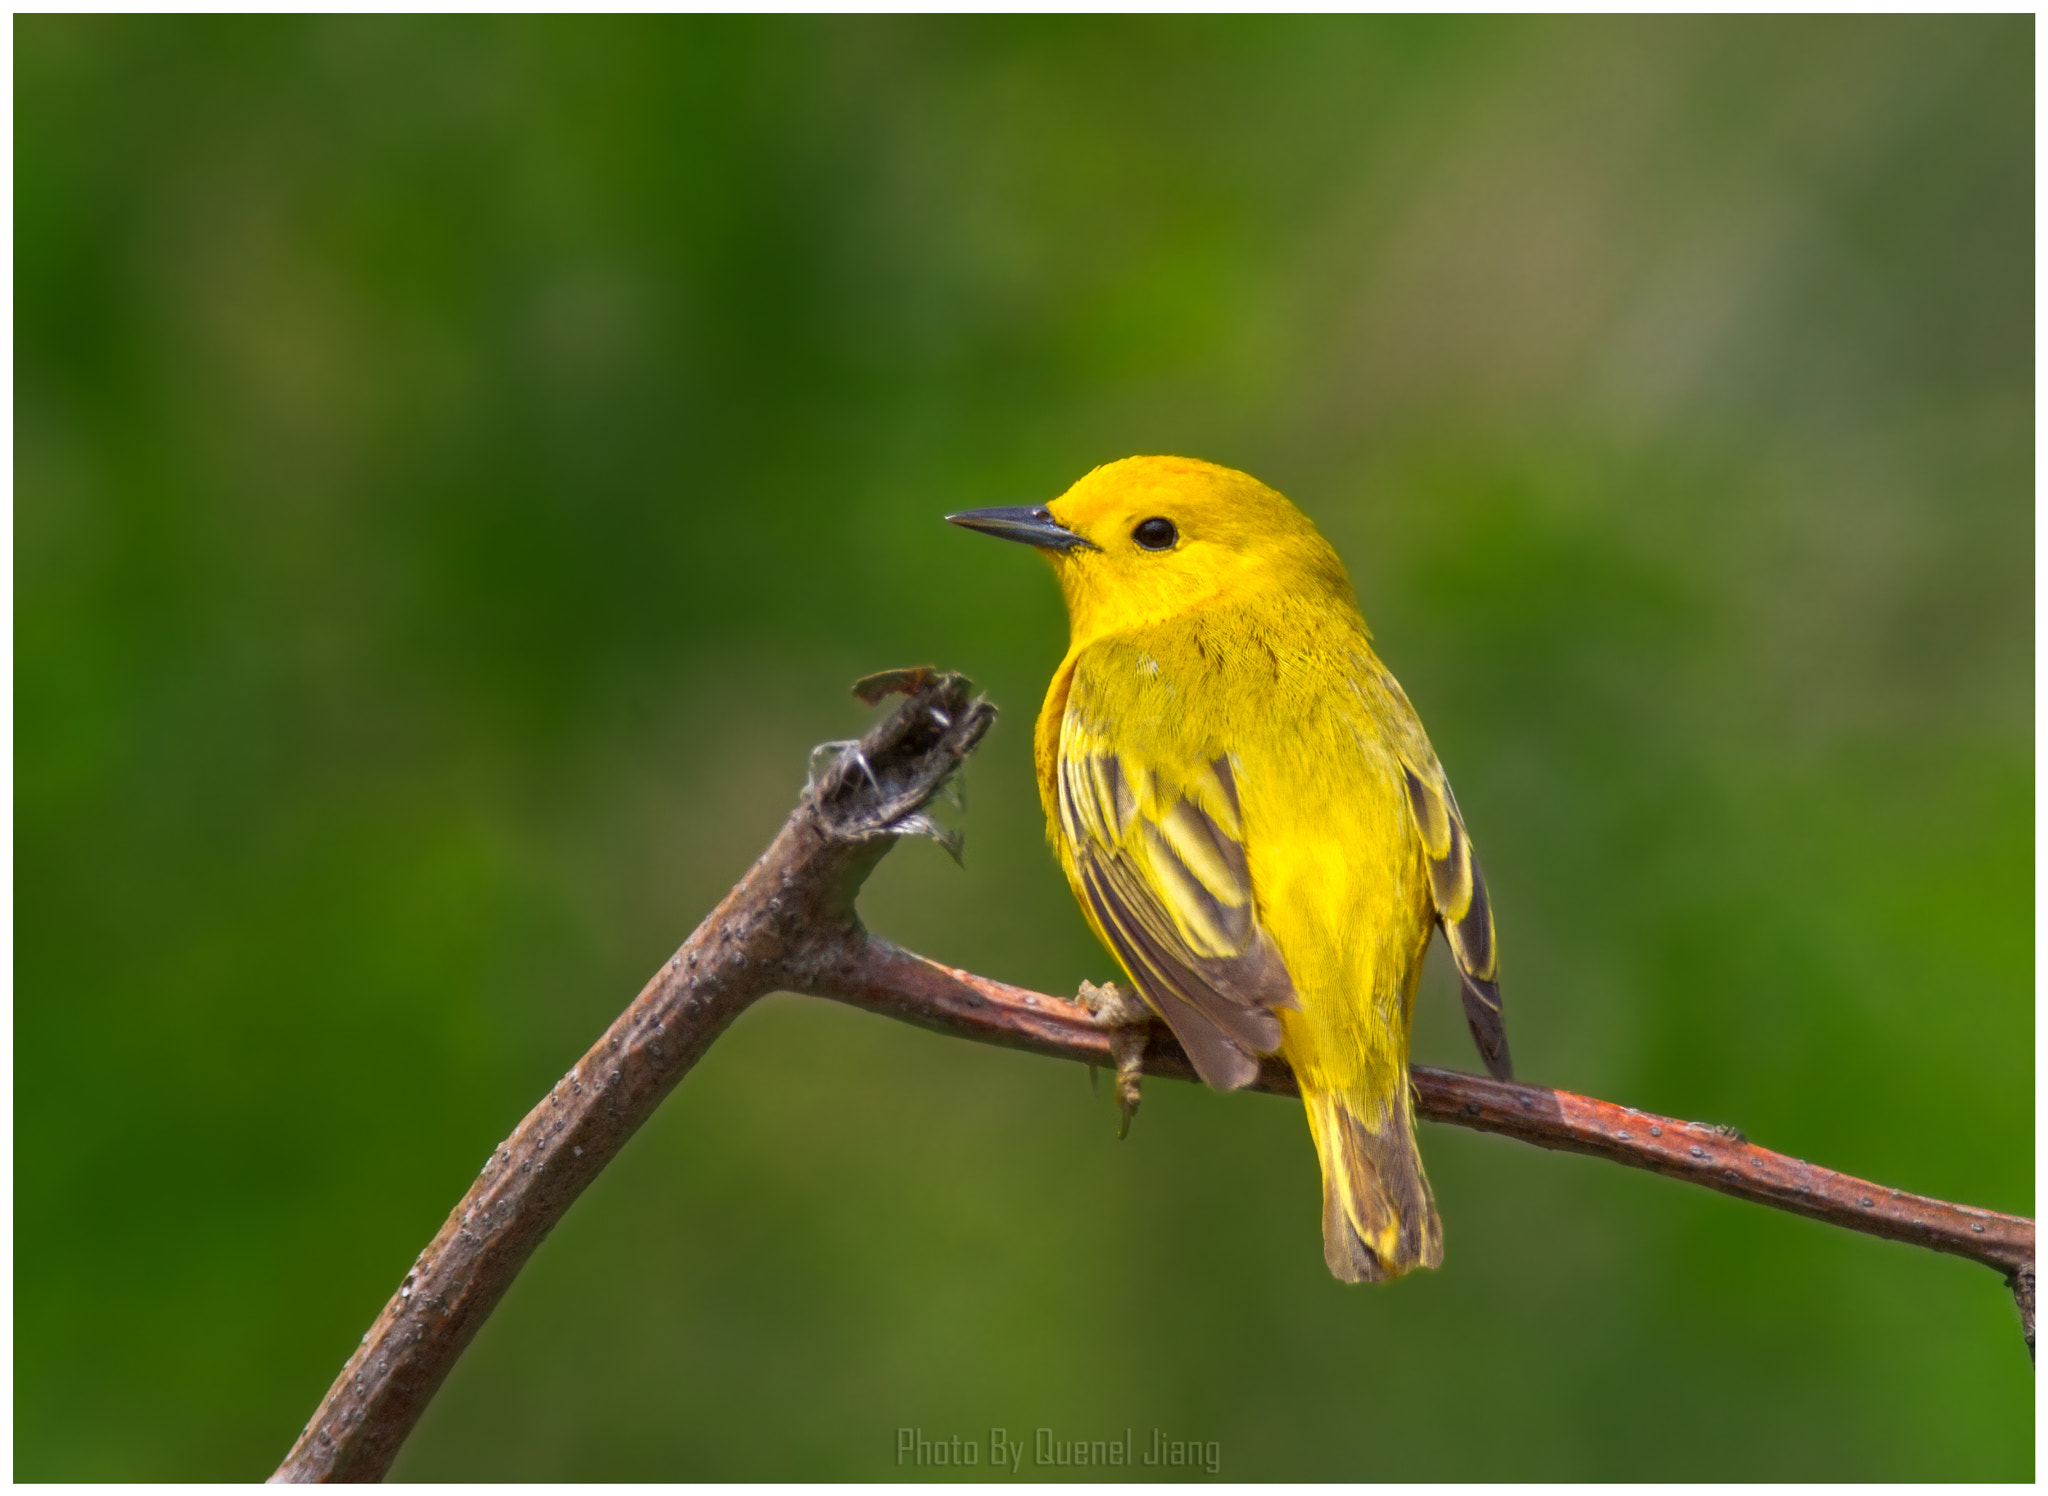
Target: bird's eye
(1156,533)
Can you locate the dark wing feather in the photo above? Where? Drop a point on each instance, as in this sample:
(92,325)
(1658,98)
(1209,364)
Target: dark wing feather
(1462,908)
(1169,888)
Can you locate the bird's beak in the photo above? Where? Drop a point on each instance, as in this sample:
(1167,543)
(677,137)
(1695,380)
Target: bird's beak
(1032,524)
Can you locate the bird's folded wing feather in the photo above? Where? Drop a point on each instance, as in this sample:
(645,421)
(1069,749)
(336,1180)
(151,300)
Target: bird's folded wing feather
(1159,854)
(1457,888)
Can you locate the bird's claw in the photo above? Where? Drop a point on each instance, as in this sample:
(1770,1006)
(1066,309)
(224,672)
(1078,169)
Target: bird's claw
(1128,1022)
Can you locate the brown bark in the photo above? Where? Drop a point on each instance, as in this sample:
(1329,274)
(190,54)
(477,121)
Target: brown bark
(790,925)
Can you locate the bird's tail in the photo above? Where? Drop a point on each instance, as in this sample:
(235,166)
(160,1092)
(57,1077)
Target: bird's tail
(1379,1219)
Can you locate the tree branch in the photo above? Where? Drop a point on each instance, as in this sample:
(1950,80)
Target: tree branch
(790,925)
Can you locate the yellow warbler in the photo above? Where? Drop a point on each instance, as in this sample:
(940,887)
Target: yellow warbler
(1252,818)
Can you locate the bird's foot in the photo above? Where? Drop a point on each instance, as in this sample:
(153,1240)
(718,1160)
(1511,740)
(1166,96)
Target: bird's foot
(1128,1022)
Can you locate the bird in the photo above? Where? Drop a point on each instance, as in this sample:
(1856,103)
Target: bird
(1253,821)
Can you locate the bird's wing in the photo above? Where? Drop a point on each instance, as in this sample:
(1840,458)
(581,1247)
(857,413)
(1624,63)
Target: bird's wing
(1455,883)
(1159,858)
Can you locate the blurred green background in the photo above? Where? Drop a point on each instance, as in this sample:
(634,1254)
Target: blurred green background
(460,466)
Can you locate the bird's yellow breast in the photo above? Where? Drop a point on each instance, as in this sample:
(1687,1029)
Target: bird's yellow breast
(1289,695)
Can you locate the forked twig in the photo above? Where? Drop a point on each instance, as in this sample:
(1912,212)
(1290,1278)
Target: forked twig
(790,925)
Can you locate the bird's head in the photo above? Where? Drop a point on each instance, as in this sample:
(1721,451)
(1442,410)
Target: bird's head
(1151,538)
